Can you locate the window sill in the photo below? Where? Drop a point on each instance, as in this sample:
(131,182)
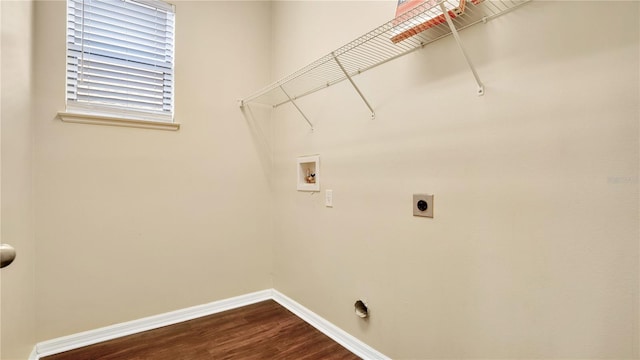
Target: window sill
(79,118)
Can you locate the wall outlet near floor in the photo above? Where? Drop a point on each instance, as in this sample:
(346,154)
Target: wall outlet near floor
(423,205)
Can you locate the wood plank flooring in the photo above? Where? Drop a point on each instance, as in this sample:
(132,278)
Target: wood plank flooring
(264,330)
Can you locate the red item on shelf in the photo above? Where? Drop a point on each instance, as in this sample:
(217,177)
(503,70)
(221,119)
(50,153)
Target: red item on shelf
(403,14)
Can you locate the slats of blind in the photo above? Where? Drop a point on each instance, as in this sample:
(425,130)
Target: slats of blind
(120,54)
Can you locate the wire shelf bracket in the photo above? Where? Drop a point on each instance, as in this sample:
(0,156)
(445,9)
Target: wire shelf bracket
(297,107)
(454,32)
(346,74)
(431,21)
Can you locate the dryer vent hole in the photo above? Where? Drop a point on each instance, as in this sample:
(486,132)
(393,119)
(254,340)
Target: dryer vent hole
(361,309)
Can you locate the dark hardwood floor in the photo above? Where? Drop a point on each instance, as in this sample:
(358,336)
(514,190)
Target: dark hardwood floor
(264,330)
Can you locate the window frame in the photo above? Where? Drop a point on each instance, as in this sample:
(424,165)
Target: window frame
(93,112)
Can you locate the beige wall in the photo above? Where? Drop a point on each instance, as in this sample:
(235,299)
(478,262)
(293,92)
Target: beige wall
(533,251)
(134,222)
(17,282)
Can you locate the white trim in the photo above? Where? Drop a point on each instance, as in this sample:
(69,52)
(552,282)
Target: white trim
(116,121)
(33,355)
(75,341)
(335,333)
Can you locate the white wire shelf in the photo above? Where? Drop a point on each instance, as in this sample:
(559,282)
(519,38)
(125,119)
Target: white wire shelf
(387,42)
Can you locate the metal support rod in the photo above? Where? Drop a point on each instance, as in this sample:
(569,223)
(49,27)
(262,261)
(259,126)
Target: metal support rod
(373,113)
(464,53)
(296,105)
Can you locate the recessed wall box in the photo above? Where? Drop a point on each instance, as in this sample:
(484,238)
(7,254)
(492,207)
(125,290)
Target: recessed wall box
(309,173)
(423,205)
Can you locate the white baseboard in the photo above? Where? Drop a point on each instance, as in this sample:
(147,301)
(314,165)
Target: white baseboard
(335,333)
(33,355)
(91,337)
(75,341)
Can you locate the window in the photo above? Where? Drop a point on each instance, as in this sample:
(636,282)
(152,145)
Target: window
(120,58)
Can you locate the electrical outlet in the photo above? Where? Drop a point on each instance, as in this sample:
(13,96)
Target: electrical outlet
(423,205)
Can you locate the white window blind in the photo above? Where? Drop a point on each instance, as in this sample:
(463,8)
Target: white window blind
(120,58)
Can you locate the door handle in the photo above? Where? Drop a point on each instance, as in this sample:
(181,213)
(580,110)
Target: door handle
(7,255)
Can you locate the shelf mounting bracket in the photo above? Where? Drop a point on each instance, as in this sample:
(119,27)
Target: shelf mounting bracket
(296,105)
(454,32)
(373,114)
